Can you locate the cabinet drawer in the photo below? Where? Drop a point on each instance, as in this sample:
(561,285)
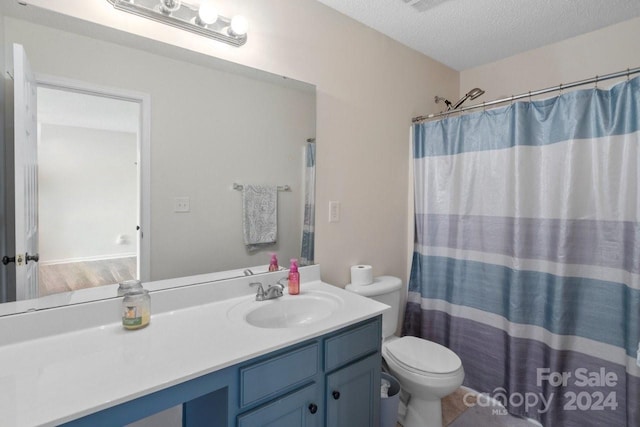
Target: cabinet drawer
(352,344)
(277,374)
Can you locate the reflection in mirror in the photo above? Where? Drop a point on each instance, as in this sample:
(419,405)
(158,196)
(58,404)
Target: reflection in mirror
(211,124)
(88,189)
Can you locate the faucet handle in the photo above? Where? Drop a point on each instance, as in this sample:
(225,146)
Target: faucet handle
(284,285)
(260,294)
(274,291)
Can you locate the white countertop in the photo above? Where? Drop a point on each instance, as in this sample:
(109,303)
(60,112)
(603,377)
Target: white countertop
(53,379)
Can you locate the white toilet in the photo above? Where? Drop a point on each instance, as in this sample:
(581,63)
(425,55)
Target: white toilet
(426,370)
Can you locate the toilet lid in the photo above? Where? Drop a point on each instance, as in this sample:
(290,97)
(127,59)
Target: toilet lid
(420,355)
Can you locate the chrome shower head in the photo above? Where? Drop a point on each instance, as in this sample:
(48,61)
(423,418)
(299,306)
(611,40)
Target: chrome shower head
(472,94)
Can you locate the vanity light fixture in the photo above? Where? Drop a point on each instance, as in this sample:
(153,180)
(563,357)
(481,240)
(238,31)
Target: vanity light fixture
(203,19)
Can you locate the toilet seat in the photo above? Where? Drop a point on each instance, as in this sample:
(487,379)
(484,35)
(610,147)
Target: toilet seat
(423,357)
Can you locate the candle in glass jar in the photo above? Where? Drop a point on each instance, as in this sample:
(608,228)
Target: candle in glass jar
(136,309)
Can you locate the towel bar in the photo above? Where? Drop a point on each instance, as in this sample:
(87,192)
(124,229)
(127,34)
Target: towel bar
(239,187)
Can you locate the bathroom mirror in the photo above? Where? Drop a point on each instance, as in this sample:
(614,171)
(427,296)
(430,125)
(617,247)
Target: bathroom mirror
(212,124)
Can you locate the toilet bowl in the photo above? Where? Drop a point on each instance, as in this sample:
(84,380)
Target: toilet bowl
(427,371)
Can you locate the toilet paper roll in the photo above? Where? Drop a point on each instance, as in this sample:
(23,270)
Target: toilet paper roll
(361,275)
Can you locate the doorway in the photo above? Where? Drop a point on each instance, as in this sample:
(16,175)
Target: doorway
(92,146)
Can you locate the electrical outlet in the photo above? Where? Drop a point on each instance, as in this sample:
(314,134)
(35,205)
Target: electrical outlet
(334,211)
(181,205)
(122,239)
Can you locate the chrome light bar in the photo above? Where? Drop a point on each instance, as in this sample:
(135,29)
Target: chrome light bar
(187,17)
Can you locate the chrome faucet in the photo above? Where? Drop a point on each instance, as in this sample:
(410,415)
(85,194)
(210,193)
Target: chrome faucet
(272,292)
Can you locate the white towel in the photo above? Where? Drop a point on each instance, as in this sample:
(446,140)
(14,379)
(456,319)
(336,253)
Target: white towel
(385,385)
(259,215)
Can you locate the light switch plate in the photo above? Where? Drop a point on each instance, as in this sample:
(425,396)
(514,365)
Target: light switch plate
(181,205)
(334,211)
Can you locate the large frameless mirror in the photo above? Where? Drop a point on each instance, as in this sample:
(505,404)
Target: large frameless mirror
(139,145)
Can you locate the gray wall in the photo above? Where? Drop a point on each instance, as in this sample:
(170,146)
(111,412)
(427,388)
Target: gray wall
(87,193)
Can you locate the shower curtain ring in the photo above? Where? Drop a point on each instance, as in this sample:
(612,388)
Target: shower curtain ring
(512,99)
(529,96)
(628,74)
(560,89)
(596,81)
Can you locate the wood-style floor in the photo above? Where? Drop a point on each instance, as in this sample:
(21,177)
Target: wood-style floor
(459,410)
(72,276)
(454,405)
(465,412)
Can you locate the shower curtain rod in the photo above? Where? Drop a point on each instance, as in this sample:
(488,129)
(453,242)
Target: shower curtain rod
(529,94)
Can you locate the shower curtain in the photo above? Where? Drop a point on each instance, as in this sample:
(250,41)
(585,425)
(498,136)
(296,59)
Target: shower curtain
(527,254)
(308,226)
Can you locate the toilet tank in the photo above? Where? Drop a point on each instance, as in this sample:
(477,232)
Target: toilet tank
(384,289)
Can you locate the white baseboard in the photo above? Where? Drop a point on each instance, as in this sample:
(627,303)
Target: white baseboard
(89,258)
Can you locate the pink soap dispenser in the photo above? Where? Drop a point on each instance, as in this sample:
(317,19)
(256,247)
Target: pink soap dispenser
(273,264)
(294,278)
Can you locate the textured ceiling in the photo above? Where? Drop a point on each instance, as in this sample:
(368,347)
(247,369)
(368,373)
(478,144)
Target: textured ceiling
(467,33)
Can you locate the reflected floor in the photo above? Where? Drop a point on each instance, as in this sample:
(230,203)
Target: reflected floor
(55,278)
(458,411)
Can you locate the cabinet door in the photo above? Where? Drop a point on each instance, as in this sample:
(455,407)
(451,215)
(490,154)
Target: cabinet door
(298,409)
(353,394)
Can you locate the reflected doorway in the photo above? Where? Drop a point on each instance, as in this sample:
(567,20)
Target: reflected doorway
(89,192)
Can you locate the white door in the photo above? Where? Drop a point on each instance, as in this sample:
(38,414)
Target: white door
(26,176)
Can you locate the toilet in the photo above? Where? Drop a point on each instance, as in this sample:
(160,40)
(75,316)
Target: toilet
(427,371)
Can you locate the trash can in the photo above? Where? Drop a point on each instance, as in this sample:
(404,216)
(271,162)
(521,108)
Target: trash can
(389,404)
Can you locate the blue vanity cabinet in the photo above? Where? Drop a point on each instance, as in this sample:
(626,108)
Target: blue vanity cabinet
(332,380)
(296,409)
(352,387)
(349,397)
(285,387)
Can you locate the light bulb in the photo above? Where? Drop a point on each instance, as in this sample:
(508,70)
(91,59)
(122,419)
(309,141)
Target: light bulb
(207,13)
(239,26)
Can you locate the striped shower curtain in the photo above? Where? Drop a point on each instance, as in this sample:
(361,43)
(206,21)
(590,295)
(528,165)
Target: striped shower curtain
(308,226)
(527,254)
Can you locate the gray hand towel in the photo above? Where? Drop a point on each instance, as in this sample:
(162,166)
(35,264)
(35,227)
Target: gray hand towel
(259,215)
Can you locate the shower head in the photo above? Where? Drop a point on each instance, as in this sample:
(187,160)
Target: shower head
(472,94)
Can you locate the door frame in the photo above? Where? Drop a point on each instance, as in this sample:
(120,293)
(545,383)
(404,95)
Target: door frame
(143,153)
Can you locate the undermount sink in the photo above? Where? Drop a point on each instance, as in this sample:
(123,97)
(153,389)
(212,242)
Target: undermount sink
(289,311)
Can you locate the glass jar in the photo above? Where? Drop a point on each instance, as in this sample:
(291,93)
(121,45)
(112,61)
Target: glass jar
(136,309)
(128,286)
